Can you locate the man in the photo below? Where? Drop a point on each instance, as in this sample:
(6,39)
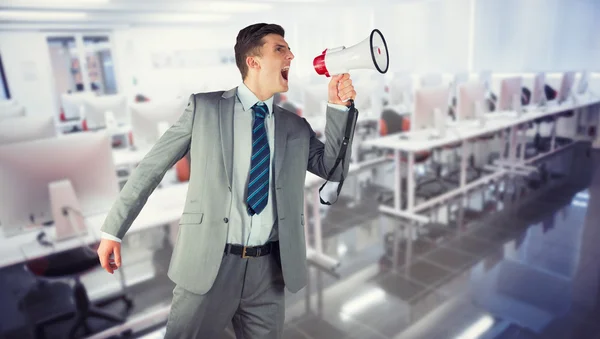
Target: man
(241,235)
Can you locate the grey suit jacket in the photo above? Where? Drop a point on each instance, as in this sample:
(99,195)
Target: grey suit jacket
(205,129)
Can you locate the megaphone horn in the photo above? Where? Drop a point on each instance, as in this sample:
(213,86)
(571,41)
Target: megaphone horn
(371,53)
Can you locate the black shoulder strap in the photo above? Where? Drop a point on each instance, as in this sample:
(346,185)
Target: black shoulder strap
(352,117)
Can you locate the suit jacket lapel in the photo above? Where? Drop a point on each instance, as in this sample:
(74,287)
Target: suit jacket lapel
(280,139)
(226,107)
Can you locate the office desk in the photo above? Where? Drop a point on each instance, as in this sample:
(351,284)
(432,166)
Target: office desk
(460,132)
(127,157)
(165,205)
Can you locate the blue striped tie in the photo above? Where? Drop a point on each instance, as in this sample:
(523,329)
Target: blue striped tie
(258,183)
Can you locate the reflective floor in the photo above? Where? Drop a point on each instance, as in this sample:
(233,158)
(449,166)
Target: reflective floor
(491,267)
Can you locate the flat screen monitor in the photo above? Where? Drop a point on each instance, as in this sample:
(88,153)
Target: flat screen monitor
(459,79)
(11,111)
(509,88)
(584,82)
(427,100)
(72,104)
(485,78)
(95,109)
(566,84)
(431,80)
(26,128)
(401,90)
(470,95)
(538,94)
(29,167)
(146,118)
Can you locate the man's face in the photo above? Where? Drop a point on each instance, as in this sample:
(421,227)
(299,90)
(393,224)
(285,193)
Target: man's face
(274,64)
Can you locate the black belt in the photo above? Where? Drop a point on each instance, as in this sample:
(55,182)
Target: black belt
(251,251)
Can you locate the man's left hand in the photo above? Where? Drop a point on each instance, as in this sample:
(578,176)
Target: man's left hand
(341,89)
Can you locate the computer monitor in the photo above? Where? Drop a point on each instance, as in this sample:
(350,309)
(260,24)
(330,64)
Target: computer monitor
(584,81)
(427,101)
(510,88)
(566,85)
(146,118)
(431,80)
(401,90)
(485,78)
(11,111)
(459,79)
(538,95)
(470,96)
(72,104)
(95,109)
(29,167)
(26,128)
(315,99)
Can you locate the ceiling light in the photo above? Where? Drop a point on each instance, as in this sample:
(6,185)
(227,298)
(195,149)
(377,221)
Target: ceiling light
(189,17)
(230,6)
(41,15)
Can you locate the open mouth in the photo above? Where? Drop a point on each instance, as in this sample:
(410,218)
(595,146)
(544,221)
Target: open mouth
(284,72)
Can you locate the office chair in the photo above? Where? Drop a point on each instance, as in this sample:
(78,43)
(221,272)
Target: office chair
(73,264)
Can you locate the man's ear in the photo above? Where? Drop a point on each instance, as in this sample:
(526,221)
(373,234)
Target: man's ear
(253,62)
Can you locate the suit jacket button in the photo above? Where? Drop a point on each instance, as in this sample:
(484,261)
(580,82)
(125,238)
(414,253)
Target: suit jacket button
(226,220)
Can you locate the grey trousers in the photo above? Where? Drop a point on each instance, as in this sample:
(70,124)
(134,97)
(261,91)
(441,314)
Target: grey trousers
(249,292)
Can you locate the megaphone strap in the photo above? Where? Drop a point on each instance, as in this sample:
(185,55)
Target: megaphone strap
(350,122)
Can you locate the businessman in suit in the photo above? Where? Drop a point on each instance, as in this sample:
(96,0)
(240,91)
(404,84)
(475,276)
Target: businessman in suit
(241,235)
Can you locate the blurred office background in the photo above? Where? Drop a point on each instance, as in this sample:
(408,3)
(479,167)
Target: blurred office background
(507,251)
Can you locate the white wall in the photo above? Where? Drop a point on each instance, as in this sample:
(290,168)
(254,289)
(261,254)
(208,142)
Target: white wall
(26,60)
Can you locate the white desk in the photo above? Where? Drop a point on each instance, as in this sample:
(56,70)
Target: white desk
(417,141)
(165,205)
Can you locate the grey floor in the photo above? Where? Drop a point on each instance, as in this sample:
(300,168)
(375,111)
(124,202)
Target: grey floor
(523,269)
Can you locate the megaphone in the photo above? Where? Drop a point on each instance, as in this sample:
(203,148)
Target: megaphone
(371,53)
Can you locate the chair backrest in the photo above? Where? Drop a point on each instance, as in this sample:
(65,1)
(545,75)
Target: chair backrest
(391,122)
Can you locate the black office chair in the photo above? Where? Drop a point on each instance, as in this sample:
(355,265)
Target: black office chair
(73,264)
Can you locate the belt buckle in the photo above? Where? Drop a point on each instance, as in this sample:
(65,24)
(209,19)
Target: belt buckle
(244,252)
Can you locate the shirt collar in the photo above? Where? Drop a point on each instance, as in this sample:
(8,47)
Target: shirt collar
(248,99)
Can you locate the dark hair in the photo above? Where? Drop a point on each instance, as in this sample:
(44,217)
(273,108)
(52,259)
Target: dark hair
(250,40)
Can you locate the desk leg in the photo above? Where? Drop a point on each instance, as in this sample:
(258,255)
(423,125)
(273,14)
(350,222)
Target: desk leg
(523,144)
(463,164)
(397,180)
(410,189)
(512,147)
(553,135)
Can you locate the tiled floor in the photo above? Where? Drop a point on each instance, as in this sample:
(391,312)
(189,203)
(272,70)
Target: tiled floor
(531,270)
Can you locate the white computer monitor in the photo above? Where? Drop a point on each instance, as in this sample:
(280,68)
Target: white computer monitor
(146,118)
(471,97)
(566,84)
(485,78)
(315,100)
(538,94)
(510,90)
(401,90)
(28,168)
(9,111)
(432,80)
(584,82)
(72,104)
(95,109)
(459,79)
(427,102)
(26,128)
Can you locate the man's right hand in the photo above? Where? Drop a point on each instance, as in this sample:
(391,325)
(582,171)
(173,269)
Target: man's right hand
(109,253)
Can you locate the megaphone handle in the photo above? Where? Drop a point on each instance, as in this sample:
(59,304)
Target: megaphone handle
(350,123)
